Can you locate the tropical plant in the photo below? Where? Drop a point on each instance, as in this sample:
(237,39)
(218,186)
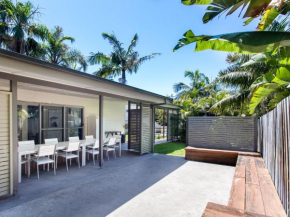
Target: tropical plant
(239,77)
(198,97)
(18,30)
(56,51)
(257,77)
(266,10)
(120,61)
(241,42)
(196,89)
(274,85)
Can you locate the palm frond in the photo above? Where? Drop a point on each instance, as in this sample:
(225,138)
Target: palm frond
(237,78)
(133,44)
(98,58)
(117,45)
(233,100)
(136,64)
(108,71)
(180,87)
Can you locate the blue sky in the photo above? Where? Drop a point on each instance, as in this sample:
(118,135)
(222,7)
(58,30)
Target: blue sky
(159,24)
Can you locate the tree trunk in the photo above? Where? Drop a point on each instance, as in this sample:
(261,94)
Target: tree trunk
(123,79)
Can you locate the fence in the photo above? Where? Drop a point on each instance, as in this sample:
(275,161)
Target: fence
(228,133)
(273,143)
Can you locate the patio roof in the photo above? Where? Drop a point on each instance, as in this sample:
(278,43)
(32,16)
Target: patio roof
(14,66)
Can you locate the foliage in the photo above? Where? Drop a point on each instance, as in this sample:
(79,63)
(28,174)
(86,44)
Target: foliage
(199,96)
(259,72)
(241,42)
(120,61)
(18,30)
(58,52)
(20,33)
(196,89)
(266,10)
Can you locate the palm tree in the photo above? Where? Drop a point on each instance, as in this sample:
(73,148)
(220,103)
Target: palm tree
(120,61)
(58,52)
(195,89)
(18,32)
(240,79)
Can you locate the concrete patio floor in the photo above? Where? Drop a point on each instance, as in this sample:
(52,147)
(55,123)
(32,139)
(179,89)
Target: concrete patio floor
(150,185)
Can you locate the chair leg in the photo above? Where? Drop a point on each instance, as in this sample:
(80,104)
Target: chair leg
(54,167)
(70,162)
(94,158)
(56,161)
(79,161)
(25,168)
(37,171)
(66,165)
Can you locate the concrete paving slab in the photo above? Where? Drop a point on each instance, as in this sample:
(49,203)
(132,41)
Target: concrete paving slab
(151,185)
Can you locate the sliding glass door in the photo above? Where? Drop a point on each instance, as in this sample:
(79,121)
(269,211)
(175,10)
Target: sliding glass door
(73,122)
(52,123)
(40,122)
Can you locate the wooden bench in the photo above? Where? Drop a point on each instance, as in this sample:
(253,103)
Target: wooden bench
(215,210)
(211,155)
(253,192)
(253,189)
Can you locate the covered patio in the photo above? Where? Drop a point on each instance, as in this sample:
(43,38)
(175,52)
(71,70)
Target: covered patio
(150,185)
(45,101)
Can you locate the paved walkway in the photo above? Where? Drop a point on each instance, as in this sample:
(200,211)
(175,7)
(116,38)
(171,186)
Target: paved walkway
(150,185)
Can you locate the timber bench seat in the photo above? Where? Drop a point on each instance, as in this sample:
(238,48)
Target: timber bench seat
(253,189)
(253,192)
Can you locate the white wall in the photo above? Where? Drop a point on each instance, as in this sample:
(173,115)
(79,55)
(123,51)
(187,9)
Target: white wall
(114,110)
(114,114)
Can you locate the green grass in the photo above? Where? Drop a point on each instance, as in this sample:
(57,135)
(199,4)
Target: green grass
(170,148)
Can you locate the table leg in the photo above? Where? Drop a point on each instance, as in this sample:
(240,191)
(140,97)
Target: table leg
(83,155)
(120,149)
(19,168)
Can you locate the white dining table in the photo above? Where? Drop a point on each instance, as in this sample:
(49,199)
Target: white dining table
(22,151)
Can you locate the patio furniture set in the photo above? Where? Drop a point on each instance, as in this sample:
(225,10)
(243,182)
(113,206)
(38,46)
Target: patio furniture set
(48,153)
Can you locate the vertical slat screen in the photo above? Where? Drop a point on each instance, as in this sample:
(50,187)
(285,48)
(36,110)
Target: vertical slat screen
(146,141)
(228,133)
(274,144)
(4,144)
(135,127)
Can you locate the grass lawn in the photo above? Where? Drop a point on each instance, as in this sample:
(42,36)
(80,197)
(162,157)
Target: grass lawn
(170,148)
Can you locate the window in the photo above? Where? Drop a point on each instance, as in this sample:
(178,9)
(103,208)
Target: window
(56,122)
(74,122)
(28,122)
(52,123)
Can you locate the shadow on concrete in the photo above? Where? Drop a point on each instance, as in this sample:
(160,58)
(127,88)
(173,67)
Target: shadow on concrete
(89,191)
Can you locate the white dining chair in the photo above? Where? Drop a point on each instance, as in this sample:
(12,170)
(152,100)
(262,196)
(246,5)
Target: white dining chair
(41,157)
(93,150)
(89,137)
(118,143)
(74,139)
(53,141)
(110,147)
(67,153)
(24,160)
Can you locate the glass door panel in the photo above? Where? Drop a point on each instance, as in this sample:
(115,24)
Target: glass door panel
(52,123)
(73,122)
(28,123)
